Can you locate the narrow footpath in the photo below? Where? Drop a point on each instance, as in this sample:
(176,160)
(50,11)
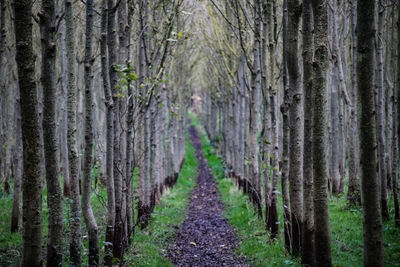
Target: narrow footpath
(205,238)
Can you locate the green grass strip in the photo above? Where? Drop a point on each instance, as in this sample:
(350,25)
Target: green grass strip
(149,246)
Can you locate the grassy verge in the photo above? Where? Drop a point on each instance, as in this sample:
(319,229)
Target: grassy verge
(149,246)
(346,225)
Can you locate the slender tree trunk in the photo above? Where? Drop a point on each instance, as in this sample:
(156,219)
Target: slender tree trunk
(108,247)
(307,255)
(123,58)
(75,220)
(63,121)
(255,176)
(396,120)
(271,5)
(381,114)
(296,127)
(143,179)
(395,163)
(353,193)
(55,197)
(112,64)
(90,220)
(372,220)
(265,138)
(32,185)
(322,243)
(2,84)
(130,215)
(286,129)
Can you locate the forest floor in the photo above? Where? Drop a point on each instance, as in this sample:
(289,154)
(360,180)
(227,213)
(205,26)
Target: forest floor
(205,238)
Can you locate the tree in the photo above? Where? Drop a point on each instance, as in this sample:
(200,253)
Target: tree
(75,220)
(307,255)
(296,126)
(108,247)
(112,64)
(372,220)
(286,129)
(55,196)
(396,129)
(90,220)
(255,176)
(32,186)
(381,114)
(353,193)
(271,22)
(319,135)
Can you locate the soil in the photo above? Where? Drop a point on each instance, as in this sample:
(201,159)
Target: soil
(205,238)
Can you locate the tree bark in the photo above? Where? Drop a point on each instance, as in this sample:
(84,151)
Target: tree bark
(143,179)
(307,255)
(372,220)
(90,220)
(296,127)
(353,193)
(397,123)
(381,114)
(109,239)
(319,135)
(75,220)
(32,186)
(255,177)
(286,129)
(54,192)
(112,64)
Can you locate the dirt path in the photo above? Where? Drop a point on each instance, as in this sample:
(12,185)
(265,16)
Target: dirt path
(205,238)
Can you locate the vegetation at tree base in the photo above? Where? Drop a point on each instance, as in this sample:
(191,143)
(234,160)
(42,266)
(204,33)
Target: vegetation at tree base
(186,132)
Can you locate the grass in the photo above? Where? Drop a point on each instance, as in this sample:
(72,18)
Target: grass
(345,223)
(149,246)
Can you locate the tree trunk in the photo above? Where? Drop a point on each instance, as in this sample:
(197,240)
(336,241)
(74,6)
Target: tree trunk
(130,212)
(112,64)
(286,129)
(353,193)
(397,129)
(255,176)
(307,255)
(381,114)
(90,220)
(395,164)
(2,84)
(296,127)
(322,243)
(144,186)
(335,101)
(32,185)
(54,192)
(75,220)
(109,239)
(372,220)
(63,121)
